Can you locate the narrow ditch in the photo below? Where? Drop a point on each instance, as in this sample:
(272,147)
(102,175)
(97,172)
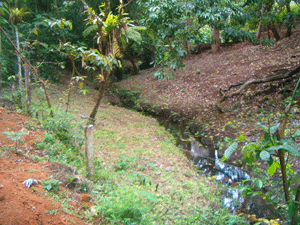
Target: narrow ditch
(231,177)
(208,162)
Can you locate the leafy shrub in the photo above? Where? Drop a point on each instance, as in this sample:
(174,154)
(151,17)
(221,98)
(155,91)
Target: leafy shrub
(128,98)
(234,35)
(161,74)
(64,137)
(205,34)
(283,17)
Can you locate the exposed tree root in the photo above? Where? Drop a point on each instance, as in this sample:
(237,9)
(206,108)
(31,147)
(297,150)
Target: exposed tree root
(253,81)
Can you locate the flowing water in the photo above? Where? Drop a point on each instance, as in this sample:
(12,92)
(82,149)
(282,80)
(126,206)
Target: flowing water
(229,176)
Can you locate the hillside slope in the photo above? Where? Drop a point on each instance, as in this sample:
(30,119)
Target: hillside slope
(191,95)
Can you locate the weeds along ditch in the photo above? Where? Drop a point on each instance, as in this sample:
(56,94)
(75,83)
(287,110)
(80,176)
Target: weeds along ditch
(141,176)
(255,194)
(233,179)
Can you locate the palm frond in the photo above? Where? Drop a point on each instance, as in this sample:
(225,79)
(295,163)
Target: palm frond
(117,49)
(133,33)
(90,29)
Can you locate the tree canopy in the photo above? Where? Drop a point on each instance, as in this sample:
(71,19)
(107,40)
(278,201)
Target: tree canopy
(160,34)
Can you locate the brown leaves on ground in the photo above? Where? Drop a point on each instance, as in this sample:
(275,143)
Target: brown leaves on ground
(192,93)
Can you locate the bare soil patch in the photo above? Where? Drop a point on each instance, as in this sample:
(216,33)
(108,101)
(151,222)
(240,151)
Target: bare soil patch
(18,204)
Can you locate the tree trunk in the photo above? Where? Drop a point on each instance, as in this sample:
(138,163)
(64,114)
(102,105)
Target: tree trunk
(187,44)
(215,47)
(27,87)
(0,62)
(290,19)
(89,141)
(285,185)
(259,29)
(70,84)
(89,150)
(131,59)
(92,116)
(32,68)
(296,209)
(274,31)
(19,68)
(270,25)
(280,133)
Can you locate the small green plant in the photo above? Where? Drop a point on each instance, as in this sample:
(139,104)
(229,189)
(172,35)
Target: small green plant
(29,125)
(51,185)
(124,162)
(34,190)
(85,206)
(32,171)
(71,181)
(122,165)
(15,136)
(138,179)
(51,212)
(83,188)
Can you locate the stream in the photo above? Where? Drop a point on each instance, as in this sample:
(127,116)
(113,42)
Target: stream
(209,163)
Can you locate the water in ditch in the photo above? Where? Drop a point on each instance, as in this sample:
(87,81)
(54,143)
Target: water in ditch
(209,163)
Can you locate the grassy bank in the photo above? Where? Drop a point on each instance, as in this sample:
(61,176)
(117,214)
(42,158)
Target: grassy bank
(142,177)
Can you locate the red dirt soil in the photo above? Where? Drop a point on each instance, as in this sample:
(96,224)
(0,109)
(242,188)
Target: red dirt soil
(19,205)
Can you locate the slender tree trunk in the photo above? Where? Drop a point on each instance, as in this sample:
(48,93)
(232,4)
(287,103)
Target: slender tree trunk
(19,58)
(187,44)
(284,175)
(271,26)
(131,59)
(215,47)
(70,85)
(89,140)
(89,150)
(259,29)
(0,62)
(290,19)
(274,31)
(27,87)
(296,209)
(19,67)
(280,135)
(32,68)
(92,116)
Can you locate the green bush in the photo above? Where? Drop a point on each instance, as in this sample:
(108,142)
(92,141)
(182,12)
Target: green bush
(234,35)
(283,17)
(127,97)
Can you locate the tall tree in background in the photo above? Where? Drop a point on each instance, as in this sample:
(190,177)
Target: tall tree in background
(15,16)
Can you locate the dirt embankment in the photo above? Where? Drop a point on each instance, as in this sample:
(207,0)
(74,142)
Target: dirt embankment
(21,205)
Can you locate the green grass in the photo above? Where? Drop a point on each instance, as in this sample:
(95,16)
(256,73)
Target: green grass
(132,182)
(132,150)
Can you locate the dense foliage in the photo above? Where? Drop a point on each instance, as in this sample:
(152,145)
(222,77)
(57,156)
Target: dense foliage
(170,30)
